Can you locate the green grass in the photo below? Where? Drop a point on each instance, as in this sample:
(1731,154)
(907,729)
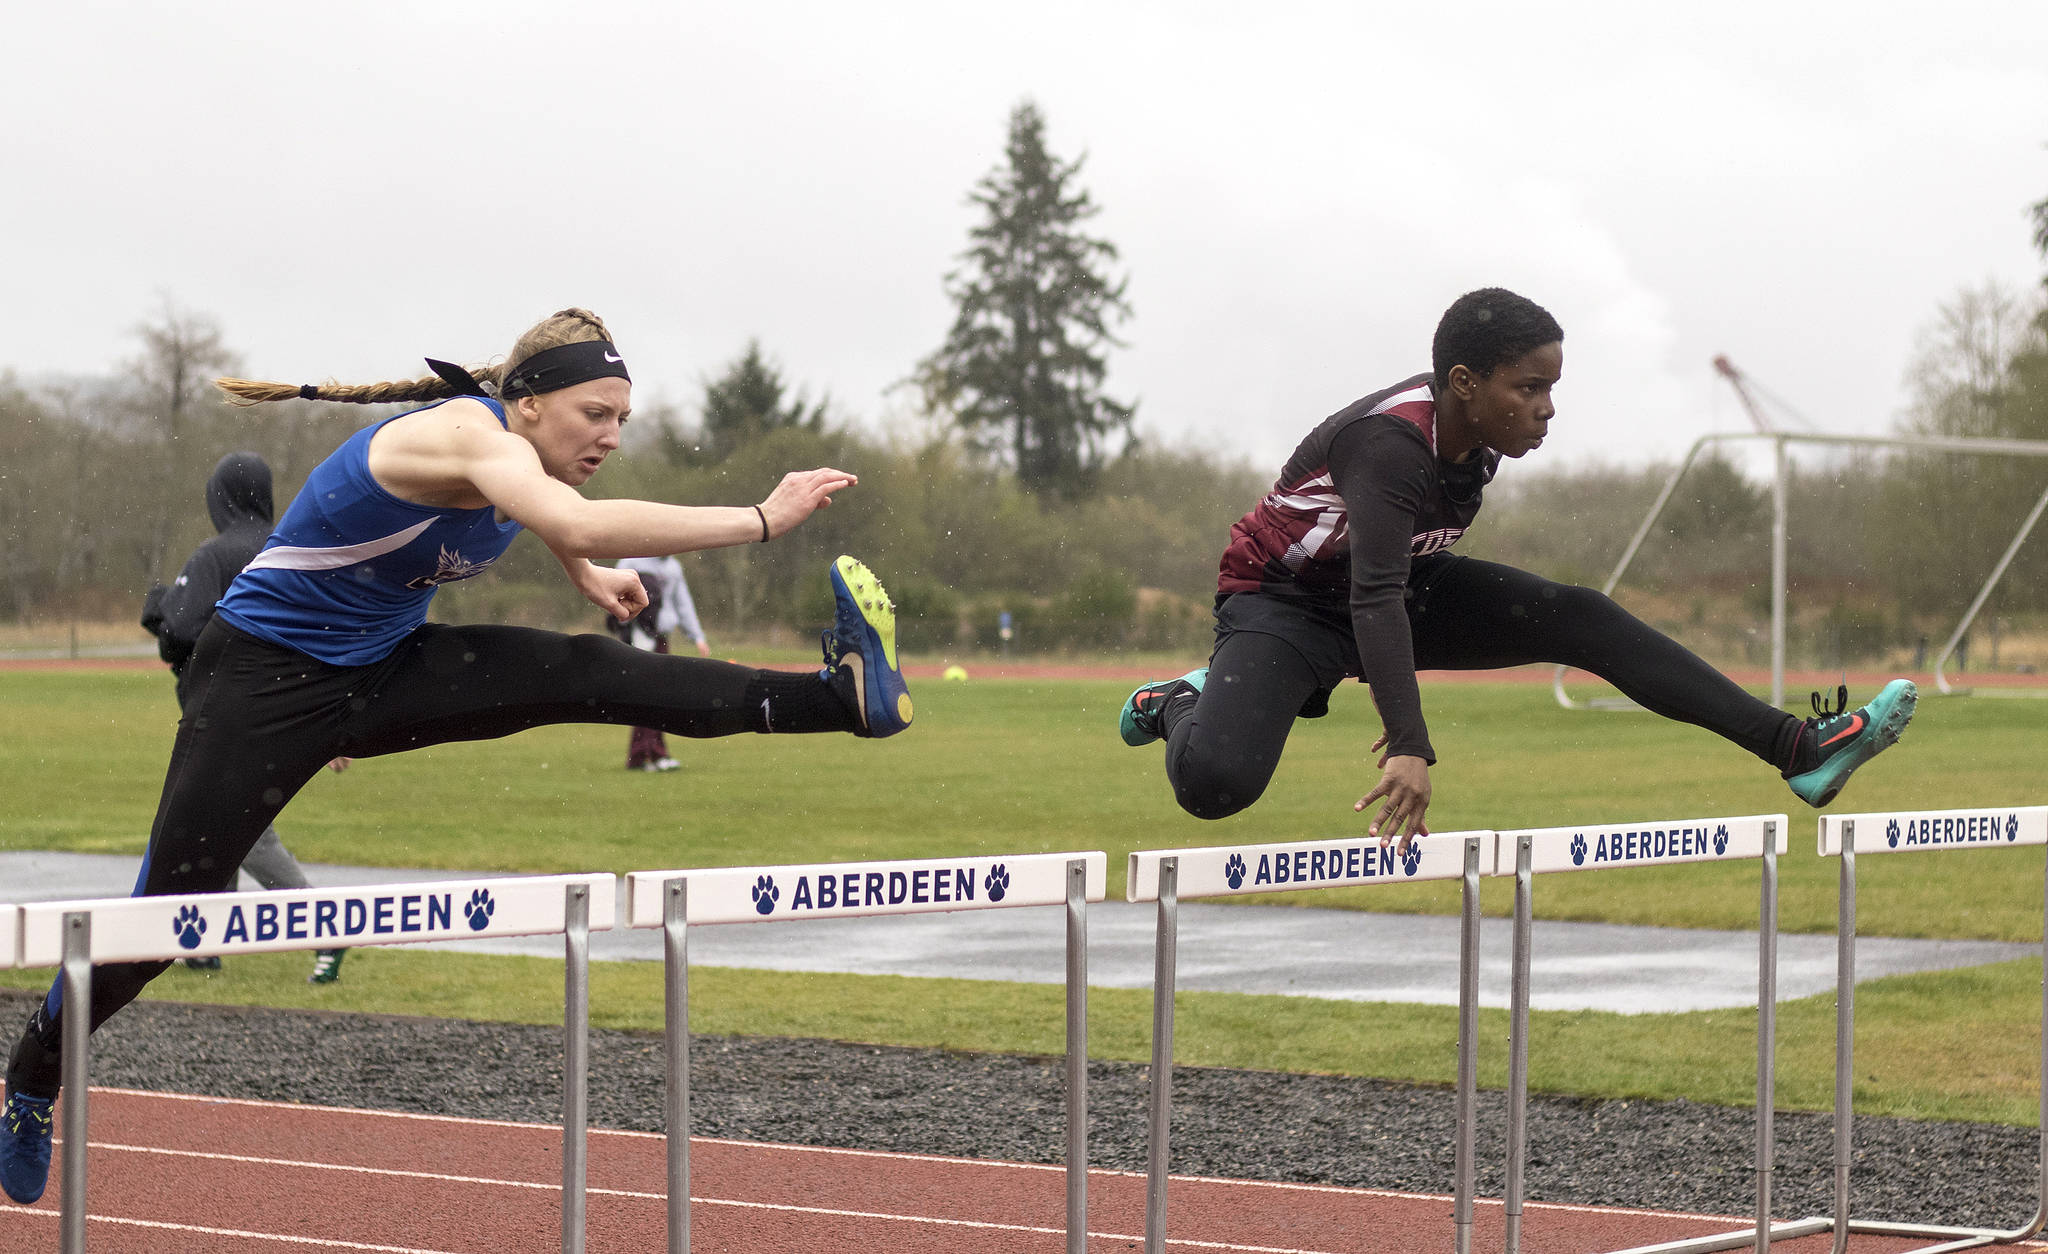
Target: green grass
(1023,766)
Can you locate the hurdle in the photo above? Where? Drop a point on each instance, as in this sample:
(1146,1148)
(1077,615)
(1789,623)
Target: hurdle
(1527,853)
(673,900)
(78,935)
(1906,831)
(1169,875)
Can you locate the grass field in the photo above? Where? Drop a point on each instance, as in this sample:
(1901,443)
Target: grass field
(1024,766)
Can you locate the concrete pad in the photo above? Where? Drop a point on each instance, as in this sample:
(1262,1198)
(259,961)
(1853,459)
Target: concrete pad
(1339,954)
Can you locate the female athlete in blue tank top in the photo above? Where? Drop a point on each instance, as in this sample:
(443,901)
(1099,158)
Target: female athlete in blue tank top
(321,648)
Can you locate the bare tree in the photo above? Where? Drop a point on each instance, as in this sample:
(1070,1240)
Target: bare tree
(1961,371)
(170,398)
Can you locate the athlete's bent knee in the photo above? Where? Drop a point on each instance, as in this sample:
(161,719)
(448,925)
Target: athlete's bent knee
(1218,793)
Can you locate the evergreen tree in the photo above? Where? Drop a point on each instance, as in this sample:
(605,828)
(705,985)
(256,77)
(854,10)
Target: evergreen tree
(747,402)
(1023,364)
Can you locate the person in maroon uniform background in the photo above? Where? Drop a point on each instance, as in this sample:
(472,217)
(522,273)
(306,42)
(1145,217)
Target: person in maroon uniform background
(1343,570)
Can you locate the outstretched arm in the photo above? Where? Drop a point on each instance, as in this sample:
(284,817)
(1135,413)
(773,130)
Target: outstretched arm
(457,454)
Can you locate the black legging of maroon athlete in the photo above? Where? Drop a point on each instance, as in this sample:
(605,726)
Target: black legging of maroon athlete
(1463,614)
(261,720)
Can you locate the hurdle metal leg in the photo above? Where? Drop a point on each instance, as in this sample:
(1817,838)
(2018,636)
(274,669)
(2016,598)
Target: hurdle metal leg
(1766,1036)
(1845,1031)
(1077,1057)
(1759,1237)
(1518,1053)
(576,1064)
(1164,959)
(1845,981)
(675,907)
(75,1068)
(1468,1053)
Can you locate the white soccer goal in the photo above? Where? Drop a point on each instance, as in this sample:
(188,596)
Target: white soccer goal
(1779,440)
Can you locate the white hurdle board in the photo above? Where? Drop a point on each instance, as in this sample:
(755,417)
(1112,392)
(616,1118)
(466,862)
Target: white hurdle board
(1241,870)
(1169,876)
(199,925)
(1907,831)
(678,899)
(1526,853)
(1655,842)
(839,890)
(10,936)
(80,935)
(1848,837)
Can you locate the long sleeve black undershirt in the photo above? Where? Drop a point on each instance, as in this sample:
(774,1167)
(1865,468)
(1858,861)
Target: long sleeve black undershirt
(1385,471)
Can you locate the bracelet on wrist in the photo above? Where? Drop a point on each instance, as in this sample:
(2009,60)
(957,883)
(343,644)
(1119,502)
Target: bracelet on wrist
(764,523)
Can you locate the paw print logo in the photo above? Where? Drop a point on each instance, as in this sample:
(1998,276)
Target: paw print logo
(998,882)
(189,926)
(1411,861)
(766,894)
(1720,840)
(1578,849)
(1891,833)
(2012,827)
(479,909)
(1233,870)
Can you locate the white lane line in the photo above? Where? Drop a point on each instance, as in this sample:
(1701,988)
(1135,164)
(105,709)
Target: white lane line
(225,1232)
(1285,1186)
(555,1186)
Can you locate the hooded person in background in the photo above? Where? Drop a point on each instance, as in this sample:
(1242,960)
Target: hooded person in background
(238,499)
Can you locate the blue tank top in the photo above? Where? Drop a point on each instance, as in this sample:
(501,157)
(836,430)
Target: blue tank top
(351,568)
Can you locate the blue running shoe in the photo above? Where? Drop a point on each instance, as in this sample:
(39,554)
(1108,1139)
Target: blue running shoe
(25,1127)
(1845,739)
(862,645)
(1139,723)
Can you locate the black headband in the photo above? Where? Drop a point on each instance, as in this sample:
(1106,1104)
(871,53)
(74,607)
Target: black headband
(565,366)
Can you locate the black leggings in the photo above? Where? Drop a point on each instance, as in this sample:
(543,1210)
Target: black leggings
(260,721)
(1463,614)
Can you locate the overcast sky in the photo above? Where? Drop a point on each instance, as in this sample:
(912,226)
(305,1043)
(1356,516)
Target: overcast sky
(1297,189)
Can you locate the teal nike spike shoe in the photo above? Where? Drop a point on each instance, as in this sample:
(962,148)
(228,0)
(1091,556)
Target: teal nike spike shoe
(1139,723)
(862,643)
(1845,739)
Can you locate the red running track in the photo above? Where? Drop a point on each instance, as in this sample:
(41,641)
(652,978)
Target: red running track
(170,1174)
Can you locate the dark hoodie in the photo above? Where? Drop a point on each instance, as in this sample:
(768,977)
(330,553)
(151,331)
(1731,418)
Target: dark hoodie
(238,499)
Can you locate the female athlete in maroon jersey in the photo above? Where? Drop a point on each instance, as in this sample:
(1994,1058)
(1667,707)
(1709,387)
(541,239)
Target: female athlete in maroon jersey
(1343,570)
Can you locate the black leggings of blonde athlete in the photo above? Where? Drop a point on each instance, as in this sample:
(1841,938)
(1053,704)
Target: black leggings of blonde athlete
(1464,614)
(260,721)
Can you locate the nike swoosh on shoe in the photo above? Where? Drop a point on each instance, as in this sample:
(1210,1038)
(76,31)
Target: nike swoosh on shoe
(1846,731)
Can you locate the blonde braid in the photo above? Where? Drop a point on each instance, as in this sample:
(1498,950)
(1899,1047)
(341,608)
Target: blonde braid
(566,326)
(433,388)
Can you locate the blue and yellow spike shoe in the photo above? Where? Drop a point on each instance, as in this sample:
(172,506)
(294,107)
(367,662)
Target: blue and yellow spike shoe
(1139,723)
(1845,739)
(25,1128)
(862,645)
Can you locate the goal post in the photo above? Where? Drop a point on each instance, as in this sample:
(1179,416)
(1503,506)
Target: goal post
(1780,440)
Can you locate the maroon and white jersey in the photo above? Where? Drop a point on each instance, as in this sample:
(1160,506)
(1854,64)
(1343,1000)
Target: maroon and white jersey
(1363,496)
(1298,538)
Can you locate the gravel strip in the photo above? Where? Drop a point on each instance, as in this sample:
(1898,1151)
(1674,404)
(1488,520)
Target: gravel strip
(1245,1124)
